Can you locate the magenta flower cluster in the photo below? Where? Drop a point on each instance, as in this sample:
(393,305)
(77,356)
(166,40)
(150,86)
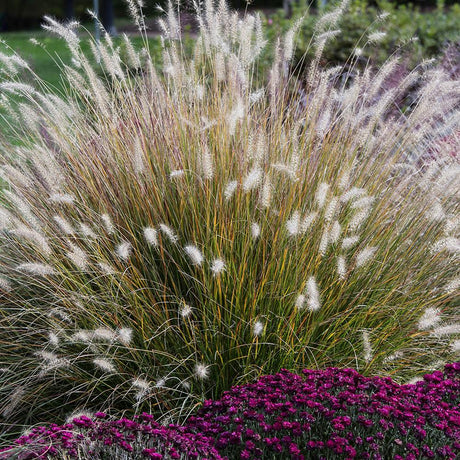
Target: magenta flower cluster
(336,413)
(325,414)
(100,437)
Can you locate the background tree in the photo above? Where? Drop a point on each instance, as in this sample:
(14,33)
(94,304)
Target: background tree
(69,10)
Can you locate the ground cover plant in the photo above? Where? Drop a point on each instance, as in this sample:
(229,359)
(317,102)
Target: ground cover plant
(329,413)
(169,234)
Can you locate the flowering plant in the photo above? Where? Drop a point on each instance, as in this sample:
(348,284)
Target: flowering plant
(319,414)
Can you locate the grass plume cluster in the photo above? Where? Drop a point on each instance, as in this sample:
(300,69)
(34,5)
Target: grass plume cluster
(167,234)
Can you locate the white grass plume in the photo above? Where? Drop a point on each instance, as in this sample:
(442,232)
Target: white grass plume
(255,230)
(253,179)
(448,329)
(217,266)
(201,371)
(293,224)
(258,328)
(124,250)
(230,189)
(430,318)
(78,256)
(105,365)
(108,224)
(365,255)
(194,254)
(151,236)
(37,269)
(321,194)
(341,267)
(5,284)
(313,296)
(367,347)
(169,233)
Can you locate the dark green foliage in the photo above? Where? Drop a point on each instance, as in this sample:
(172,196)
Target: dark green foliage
(434,30)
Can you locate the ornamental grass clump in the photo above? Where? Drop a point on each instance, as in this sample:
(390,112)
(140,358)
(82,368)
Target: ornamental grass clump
(170,230)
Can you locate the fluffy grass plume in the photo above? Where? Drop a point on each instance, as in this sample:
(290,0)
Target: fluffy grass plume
(183,226)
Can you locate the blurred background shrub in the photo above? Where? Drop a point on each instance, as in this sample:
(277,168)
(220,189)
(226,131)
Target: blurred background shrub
(415,32)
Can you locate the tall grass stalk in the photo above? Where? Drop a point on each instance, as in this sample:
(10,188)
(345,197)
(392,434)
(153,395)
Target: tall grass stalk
(168,234)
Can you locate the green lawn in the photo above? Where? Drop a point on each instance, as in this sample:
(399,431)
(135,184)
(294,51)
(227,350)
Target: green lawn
(44,59)
(40,58)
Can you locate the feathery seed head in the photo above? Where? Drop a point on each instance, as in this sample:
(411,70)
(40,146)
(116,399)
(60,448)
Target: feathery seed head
(349,242)
(351,194)
(376,37)
(313,296)
(125,335)
(78,256)
(364,202)
(358,219)
(266,193)
(36,269)
(82,336)
(217,266)
(124,250)
(142,384)
(64,225)
(436,213)
(104,365)
(151,236)
(300,301)
(108,224)
(452,225)
(364,256)
(448,244)
(253,179)
(324,242)
(429,319)
(53,339)
(201,371)
(308,221)
(321,194)
(87,231)
(5,285)
(103,334)
(62,198)
(293,224)
(160,383)
(258,328)
(448,329)
(453,286)
(368,353)
(393,357)
(194,254)
(185,310)
(255,230)
(334,232)
(106,268)
(230,189)
(176,173)
(455,346)
(341,267)
(169,233)
(207,167)
(34,236)
(331,209)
